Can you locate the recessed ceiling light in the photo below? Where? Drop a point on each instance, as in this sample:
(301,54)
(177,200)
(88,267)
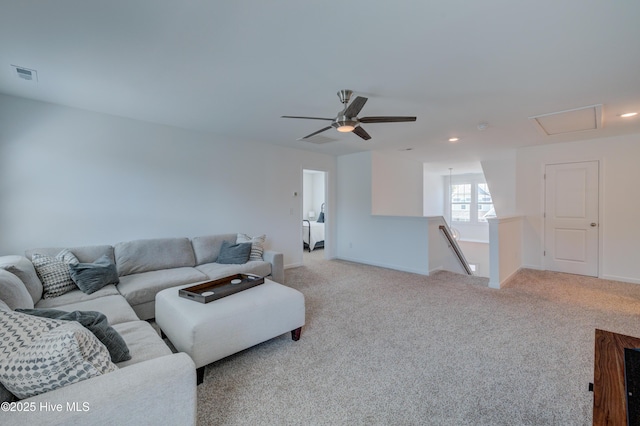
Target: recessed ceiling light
(454,139)
(628,114)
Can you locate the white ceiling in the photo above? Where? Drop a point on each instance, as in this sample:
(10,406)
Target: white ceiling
(234,67)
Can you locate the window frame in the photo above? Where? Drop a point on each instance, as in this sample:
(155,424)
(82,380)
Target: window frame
(474,180)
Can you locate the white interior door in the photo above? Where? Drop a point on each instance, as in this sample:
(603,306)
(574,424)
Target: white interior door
(571,218)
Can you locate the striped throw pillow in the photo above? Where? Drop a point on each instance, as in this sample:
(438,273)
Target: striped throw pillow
(257,245)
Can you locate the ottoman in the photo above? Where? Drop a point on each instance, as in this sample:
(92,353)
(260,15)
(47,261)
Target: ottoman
(211,331)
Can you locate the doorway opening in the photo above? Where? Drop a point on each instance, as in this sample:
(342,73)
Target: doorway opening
(314,211)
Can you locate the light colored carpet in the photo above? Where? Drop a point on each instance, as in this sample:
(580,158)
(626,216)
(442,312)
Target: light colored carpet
(384,347)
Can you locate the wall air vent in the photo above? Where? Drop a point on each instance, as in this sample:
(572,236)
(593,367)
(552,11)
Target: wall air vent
(573,120)
(26,73)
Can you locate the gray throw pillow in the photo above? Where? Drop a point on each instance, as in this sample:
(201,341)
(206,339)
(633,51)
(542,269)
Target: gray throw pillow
(91,277)
(234,253)
(95,322)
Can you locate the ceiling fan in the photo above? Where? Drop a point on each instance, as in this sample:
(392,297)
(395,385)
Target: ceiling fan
(347,120)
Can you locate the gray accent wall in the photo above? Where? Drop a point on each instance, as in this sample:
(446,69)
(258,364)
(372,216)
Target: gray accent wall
(70,177)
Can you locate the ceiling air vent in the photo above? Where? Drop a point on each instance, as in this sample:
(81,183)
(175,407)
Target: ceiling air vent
(318,139)
(572,120)
(26,73)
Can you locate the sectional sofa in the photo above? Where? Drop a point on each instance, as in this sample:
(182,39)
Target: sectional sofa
(155,386)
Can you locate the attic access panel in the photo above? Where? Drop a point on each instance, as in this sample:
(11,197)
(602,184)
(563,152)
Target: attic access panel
(569,121)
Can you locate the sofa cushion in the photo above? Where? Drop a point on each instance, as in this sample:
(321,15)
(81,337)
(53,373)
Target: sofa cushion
(115,307)
(91,277)
(76,295)
(22,267)
(41,354)
(215,271)
(143,341)
(257,245)
(13,292)
(237,254)
(93,321)
(54,274)
(143,287)
(137,256)
(207,248)
(84,254)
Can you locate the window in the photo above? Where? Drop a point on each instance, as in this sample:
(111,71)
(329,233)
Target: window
(460,203)
(470,199)
(485,205)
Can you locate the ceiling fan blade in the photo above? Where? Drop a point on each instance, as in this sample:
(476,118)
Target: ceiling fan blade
(315,133)
(362,133)
(386,119)
(307,118)
(354,108)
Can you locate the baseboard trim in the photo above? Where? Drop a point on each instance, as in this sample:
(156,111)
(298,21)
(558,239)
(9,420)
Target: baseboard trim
(534,267)
(622,279)
(434,270)
(509,278)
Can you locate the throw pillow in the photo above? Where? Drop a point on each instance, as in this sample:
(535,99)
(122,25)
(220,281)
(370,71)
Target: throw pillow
(95,322)
(54,274)
(5,395)
(257,245)
(234,253)
(67,257)
(321,218)
(91,277)
(39,354)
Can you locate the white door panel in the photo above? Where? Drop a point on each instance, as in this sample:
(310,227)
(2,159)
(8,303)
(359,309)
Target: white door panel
(571,218)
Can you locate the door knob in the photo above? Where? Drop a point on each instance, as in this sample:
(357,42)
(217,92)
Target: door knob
(593,224)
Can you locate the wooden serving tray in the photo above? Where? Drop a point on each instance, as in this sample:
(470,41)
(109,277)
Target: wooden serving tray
(213,290)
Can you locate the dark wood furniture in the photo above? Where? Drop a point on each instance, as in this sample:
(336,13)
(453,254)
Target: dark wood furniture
(213,290)
(609,399)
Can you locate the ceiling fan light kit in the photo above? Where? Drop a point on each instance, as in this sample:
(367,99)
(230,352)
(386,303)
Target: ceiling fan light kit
(344,125)
(347,120)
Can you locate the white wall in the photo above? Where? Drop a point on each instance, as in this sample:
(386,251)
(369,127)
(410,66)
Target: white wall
(396,186)
(70,177)
(433,194)
(500,174)
(389,241)
(478,254)
(619,205)
(505,249)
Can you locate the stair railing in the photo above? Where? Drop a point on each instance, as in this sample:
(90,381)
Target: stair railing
(456,248)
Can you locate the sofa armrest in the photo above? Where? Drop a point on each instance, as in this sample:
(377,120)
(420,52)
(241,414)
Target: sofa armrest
(277,265)
(158,391)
